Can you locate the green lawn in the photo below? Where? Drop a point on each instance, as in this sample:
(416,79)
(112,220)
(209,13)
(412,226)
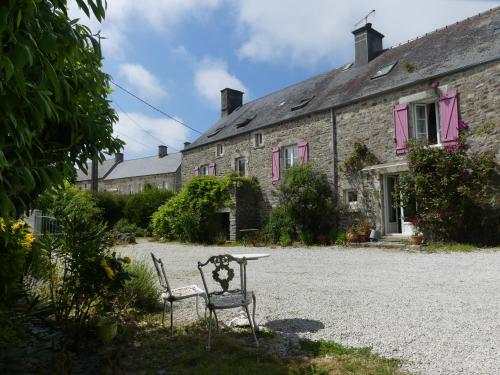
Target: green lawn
(146,348)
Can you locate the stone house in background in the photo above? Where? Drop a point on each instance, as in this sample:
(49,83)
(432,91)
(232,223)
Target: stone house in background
(419,89)
(130,176)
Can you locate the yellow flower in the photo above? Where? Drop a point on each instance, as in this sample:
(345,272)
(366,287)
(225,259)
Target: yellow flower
(109,272)
(127,260)
(2,224)
(18,224)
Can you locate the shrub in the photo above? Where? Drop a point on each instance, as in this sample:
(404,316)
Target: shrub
(305,206)
(15,246)
(111,205)
(279,223)
(190,215)
(141,206)
(285,239)
(141,290)
(83,272)
(454,193)
(124,226)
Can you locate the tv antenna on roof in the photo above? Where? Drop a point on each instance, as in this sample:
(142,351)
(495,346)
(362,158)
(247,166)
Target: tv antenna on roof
(365,18)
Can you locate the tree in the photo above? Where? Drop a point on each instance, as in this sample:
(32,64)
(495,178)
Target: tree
(54,107)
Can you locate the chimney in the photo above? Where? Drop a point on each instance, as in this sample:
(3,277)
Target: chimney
(367,44)
(118,157)
(230,100)
(186,144)
(162,151)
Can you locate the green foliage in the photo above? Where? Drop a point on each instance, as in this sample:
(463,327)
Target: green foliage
(125,226)
(140,207)
(338,237)
(16,242)
(279,223)
(305,206)
(360,157)
(111,205)
(455,193)
(190,215)
(83,272)
(141,290)
(54,106)
(285,239)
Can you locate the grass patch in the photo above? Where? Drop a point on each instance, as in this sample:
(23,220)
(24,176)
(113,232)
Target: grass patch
(149,350)
(451,247)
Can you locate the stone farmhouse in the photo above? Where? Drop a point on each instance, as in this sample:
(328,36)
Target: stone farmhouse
(130,176)
(419,89)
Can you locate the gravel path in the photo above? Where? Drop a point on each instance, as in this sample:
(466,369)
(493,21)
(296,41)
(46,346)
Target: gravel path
(439,313)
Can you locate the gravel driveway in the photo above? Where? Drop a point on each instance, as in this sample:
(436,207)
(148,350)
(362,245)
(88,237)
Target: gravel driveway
(439,313)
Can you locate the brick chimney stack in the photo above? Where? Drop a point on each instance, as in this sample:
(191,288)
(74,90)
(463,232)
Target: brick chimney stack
(230,100)
(367,44)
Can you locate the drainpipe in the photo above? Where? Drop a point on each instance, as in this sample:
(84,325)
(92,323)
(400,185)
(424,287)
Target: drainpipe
(333,119)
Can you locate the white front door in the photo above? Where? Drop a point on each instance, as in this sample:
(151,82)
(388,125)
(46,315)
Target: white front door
(395,219)
(392,211)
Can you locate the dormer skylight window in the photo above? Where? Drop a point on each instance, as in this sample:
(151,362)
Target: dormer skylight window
(384,70)
(245,121)
(347,66)
(302,103)
(215,132)
(497,30)
(282,104)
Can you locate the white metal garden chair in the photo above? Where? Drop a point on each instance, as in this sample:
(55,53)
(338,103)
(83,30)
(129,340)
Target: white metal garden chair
(177,294)
(225,298)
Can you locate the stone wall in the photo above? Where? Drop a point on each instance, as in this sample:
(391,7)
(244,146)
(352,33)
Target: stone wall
(371,122)
(315,129)
(122,185)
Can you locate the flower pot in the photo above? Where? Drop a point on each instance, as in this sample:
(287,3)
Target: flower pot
(352,237)
(416,239)
(107,329)
(363,237)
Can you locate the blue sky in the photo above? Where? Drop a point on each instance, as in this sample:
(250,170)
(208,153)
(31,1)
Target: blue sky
(179,54)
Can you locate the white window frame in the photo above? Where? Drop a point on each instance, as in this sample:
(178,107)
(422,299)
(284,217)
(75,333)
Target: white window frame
(414,120)
(204,170)
(237,166)
(352,204)
(290,156)
(131,189)
(256,137)
(219,149)
(166,185)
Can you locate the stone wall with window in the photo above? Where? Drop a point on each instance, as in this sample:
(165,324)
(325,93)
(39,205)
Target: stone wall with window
(372,122)
(256,151)
(133,185)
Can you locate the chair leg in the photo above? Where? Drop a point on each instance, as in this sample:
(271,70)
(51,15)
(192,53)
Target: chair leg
(253,312)
(252,326)
(171,318)
(164,309)
(209,330)
(216,322)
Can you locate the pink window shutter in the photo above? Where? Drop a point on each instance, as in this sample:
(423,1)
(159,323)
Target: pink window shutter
(401,127)
(448,117)
(276,165)
(212,169)
(197,171)
(303,151)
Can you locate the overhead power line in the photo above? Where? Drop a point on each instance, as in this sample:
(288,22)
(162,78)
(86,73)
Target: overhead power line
(155,108)
(142,128)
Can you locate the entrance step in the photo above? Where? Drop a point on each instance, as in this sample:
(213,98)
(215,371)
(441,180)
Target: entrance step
(395,238)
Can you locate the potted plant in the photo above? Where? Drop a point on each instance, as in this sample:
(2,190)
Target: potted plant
(417,236)
(107,322)
(352,233)
(364,230)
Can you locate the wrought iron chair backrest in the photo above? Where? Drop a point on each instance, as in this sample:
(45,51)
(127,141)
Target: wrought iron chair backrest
(160,271)
(220,264)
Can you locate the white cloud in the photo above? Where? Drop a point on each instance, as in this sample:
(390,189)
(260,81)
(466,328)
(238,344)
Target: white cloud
(211,76)
(145,83)
(157,15)
(133,128)
(305,33)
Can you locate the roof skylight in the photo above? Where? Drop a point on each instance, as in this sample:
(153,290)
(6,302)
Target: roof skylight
(384,70)
(215,132)
(302,103)
(347,66)
(245,121)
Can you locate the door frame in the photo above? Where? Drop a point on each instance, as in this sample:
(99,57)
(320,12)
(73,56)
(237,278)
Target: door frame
(400,227)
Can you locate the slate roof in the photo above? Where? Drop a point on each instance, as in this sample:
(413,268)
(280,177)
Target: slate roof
(146,166)
(102,170)
(456,47)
